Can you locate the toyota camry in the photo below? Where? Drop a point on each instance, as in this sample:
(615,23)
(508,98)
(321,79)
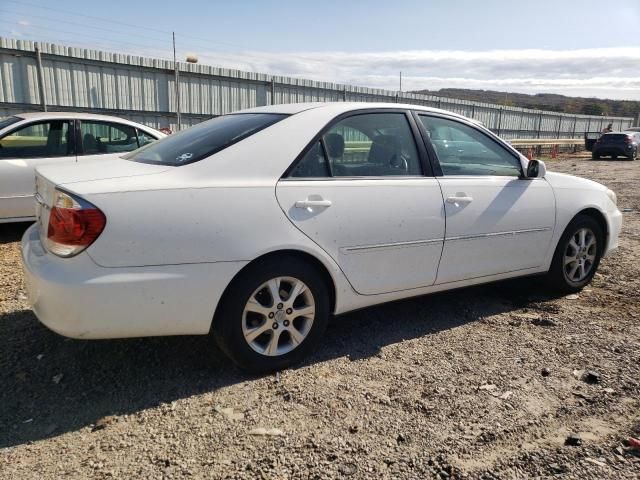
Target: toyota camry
(256,226)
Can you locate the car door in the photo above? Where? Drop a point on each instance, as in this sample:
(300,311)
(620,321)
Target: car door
(497,221)
(109,139)
(22,150)
(360,192)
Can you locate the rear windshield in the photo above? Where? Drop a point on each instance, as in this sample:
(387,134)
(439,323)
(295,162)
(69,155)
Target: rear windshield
(204,139)
(614,137)
(6,121)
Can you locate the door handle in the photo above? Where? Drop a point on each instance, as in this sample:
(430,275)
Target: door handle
(458,200)
(308,203)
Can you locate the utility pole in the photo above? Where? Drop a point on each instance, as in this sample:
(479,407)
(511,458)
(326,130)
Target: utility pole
(177,80)
(273,91)
(41,87)
(400,81)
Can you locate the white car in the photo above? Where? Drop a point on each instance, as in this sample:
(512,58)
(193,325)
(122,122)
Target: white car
(30,140)
(256,226)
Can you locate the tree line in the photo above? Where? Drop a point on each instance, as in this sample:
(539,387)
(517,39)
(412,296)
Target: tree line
(544,101)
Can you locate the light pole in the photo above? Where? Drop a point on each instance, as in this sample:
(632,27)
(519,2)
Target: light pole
(177,80)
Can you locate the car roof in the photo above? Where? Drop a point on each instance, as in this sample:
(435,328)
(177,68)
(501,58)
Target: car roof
(343,107)
(80,115)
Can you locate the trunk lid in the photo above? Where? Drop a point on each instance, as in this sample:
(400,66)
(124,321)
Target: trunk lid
(99,169)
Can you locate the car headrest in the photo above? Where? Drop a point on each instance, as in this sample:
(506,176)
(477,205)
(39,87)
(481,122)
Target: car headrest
(384,149)
(335,144)
(89,143)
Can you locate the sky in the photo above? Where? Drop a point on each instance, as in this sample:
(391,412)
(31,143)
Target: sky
(570,47)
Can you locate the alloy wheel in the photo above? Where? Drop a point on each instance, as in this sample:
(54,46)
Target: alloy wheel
(278,316)
(580,255)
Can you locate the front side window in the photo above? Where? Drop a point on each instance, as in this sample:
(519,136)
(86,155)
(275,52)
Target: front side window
(43,139)
(463,150)
(366,145)
(144,138)
(204,139)
(107,137)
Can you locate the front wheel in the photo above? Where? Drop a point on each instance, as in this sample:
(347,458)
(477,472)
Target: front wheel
(634,155)
(273,314)
(577,255)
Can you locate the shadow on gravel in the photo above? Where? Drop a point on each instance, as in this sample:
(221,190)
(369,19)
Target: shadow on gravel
(12,232)
(51,385)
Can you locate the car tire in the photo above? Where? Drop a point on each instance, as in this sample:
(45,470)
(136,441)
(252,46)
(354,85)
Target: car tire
(634,155)
(595,156)
(614,157)
(567,275)
(250,310)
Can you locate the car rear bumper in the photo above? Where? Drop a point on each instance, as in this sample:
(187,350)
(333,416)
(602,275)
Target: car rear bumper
(77,298)
(623,151)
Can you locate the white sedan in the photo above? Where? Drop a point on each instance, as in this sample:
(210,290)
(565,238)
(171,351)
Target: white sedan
(258,225)
(30,140)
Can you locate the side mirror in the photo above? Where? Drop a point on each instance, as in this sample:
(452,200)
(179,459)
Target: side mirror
(536,169)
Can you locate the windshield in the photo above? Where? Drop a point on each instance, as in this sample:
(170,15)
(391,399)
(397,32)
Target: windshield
(204,139)
(6,121)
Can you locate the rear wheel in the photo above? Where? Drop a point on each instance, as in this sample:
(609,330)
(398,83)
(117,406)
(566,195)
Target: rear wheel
(614,157)
(595,156)
(273,315)
(577,255)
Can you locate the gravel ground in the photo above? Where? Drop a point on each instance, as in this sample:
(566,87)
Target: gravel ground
(479,383)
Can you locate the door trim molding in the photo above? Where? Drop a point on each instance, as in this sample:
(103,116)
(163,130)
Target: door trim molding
(412,243)
(17,196)
(499,234)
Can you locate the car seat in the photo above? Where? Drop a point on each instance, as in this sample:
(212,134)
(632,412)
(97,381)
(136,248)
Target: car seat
(335,145)
(384,153)
(89,143)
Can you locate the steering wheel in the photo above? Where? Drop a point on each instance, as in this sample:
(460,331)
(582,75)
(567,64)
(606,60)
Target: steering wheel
(399,162)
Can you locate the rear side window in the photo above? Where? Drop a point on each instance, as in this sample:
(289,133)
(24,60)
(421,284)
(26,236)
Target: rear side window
(363,145)
(313,165)
(204,139)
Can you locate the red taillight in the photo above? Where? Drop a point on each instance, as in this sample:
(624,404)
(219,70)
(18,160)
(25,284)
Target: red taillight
(74,224)
(75,227)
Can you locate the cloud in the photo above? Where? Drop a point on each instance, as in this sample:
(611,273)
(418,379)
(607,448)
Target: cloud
(601,72)
(24,23)
(597,72)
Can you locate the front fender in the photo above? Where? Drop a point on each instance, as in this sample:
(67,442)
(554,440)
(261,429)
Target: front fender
(575,195)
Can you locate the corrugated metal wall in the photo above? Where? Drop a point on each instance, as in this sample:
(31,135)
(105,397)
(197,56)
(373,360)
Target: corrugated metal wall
(143,89)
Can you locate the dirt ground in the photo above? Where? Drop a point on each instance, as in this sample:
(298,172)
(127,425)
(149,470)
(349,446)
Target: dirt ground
(444,386)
